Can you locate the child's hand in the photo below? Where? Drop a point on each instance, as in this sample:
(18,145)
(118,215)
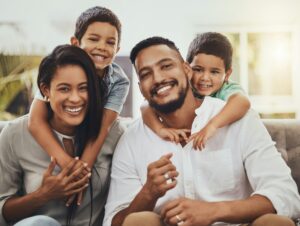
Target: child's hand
(201,137)
(174,135)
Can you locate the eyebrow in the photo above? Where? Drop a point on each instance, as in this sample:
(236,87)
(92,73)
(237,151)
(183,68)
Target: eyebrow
(157,63)
(94,34)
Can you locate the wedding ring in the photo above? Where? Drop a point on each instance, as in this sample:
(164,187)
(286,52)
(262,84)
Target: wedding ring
(166,176)
(168,179)
(178,219)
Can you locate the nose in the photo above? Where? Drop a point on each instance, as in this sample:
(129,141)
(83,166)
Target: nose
(205,76)
(101,45)
(157,76)
(74,96)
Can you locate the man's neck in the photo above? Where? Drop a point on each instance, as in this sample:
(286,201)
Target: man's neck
(183,117)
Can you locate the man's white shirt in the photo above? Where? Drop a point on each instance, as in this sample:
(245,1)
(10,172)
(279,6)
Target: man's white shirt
(240,160)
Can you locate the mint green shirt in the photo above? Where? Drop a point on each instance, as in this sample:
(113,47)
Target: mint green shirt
(228,89)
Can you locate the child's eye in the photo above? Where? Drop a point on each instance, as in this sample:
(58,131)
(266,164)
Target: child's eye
(93,39)
(197,69)
(112,43)
(215,72)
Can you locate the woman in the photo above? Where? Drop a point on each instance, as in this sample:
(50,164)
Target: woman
(31,183)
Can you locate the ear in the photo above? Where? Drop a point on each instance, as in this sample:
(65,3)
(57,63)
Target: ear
(74,41)
(188,70)
(45,90)
(227,75)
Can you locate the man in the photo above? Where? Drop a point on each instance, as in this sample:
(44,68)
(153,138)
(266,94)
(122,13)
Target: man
(238,178)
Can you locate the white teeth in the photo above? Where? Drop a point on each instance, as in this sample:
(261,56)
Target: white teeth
(163,89)
(73,110)
(205,86)
(99,58)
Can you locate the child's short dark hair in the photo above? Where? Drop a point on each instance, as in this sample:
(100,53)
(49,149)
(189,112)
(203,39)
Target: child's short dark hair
(96,14)
(211,43)
(152,41)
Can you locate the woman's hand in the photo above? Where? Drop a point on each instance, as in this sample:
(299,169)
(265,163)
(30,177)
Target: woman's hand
(63,184)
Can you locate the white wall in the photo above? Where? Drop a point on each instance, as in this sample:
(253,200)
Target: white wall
(45,24)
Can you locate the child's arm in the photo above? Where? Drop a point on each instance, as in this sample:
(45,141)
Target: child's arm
(41,131)
(236,107)
(92,149)
(150,118)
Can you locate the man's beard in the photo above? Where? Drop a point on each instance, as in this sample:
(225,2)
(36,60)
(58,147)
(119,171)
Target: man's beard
(173,105)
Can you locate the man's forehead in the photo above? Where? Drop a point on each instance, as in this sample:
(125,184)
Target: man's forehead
(154,54)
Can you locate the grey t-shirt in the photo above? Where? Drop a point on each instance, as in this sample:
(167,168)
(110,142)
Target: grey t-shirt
(23,162)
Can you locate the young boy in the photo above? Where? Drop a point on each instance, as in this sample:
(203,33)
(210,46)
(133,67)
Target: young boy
(98,32)
(210,56)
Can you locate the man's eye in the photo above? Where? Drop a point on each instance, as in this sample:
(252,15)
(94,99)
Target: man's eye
(166,66)
(144,75)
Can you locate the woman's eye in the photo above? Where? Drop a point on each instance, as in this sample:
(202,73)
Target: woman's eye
(64,89)
(83,88)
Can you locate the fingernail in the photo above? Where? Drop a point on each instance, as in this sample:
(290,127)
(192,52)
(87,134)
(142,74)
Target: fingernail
(78,204)
(67,204)
(51,158)
(86,185)
(85,164)
(76,157)
(89,175)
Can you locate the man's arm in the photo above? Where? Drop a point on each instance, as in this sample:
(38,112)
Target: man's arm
(156,186)
(196,212)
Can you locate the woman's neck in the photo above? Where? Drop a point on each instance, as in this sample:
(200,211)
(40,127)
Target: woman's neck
(61,128)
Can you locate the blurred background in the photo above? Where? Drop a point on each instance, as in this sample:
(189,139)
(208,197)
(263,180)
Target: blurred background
(265,36)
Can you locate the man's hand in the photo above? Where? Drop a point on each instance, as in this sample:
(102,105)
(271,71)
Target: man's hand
(200,138)
(160,177)
(187,212)
(174,135)
(62,185)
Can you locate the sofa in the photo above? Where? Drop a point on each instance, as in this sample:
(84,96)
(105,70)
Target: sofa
(286,134)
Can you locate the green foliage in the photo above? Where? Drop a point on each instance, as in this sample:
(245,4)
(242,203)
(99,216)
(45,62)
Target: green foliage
(17,74)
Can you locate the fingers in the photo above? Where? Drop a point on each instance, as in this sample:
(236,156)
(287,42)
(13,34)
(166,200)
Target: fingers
(75,175)
(66,171)
(70,200)
(82,183)
(51,167)
(80,197)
